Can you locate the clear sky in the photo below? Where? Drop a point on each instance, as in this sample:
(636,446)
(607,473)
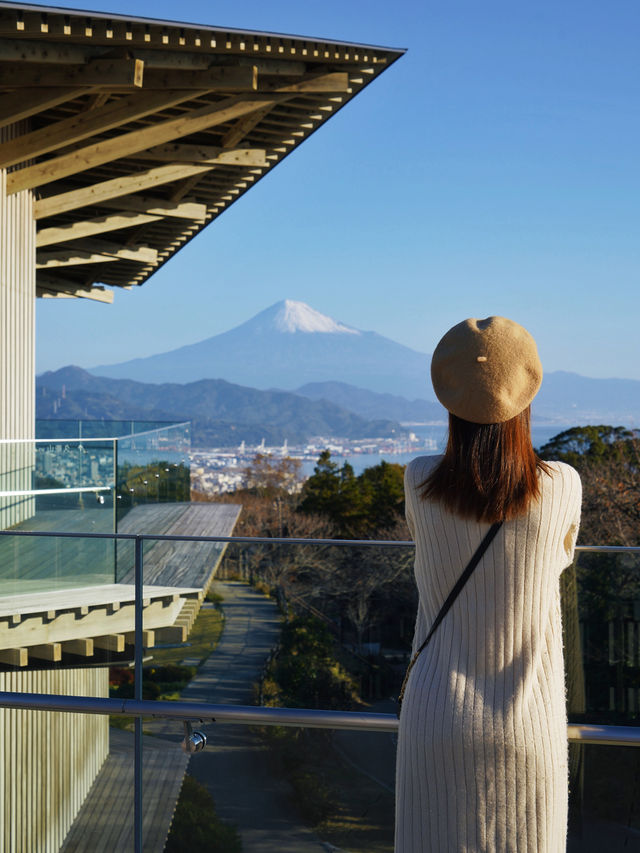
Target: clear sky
(494,169)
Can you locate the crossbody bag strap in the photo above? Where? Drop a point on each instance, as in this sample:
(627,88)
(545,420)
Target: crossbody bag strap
(464,577)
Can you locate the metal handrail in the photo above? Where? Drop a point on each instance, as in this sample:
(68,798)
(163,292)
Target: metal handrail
(138,707)
(88,439)
(249,715)
(275,540)
(72,490)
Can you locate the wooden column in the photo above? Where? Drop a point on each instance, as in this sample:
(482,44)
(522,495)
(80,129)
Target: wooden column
(17,344)
(50,759)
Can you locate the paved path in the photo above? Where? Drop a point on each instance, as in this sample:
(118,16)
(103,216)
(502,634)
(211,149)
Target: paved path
(235,765)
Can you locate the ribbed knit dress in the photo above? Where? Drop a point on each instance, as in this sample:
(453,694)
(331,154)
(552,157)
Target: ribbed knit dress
(482,745)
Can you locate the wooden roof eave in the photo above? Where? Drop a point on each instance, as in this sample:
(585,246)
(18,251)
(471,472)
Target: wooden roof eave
(110,160)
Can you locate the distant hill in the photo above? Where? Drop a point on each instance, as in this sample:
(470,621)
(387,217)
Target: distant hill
(221,413)
(369,404)
(285,346)
(568,398)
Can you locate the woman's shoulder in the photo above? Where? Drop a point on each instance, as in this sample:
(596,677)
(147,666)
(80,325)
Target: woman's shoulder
(562,469)
(566,475)
(419,468)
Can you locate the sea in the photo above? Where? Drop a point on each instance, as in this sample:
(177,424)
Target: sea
(433,438)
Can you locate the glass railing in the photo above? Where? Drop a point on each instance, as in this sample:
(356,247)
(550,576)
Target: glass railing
(85,485)
(325,627)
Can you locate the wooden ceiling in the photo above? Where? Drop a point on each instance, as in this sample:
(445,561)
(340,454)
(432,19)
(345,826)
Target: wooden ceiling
(135,134)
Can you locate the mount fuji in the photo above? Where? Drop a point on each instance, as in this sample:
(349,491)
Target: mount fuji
(285,346)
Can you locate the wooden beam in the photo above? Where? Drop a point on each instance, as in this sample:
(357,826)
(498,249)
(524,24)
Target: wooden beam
(110,642)
(176,152)
(96,72)
(27,102)
(70,258)
(130,252)
(81,126)
(159,207)
(319,83)
(127,143)
(148,638)
(48,287)
(23,50)
(14,657)
(171,634)
(97,193)
(91,227)
(244,126)
(221,78)
(46,651)
(83,647)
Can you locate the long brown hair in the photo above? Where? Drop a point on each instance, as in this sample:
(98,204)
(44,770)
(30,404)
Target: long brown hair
(489,472)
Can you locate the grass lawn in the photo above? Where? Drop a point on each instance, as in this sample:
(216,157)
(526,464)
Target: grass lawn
(202,640)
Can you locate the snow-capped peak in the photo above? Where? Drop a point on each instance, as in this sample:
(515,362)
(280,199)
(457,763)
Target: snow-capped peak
(295,316)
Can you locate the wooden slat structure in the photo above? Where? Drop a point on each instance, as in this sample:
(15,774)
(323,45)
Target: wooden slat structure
(105,822)
(60,608)
(126,119)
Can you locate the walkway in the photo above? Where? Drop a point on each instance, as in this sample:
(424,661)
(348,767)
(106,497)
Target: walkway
(235,766)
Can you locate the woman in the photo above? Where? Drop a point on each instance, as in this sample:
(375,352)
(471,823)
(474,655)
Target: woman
(482,746)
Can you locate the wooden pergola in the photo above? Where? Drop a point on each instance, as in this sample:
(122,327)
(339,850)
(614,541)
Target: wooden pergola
(134,134)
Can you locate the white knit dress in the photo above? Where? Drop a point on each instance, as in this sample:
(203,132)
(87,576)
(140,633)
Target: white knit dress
(482,746)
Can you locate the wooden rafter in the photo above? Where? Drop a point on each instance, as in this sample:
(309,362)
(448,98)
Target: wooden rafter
(158,207)
(128,252)
(62,258)
(47,286)
(96,72)
(218,78)
(28,102)
(70,130)
(244,126)
(93,252)
(27,50)
(116,187)
(91,227)
(128,143)
(176,152)
(312,83)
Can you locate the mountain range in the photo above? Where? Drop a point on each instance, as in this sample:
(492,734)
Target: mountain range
(222,414)
(230,379)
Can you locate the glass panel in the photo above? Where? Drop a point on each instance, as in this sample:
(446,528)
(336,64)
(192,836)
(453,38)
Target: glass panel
(286,785)
(602,654)
(93,429)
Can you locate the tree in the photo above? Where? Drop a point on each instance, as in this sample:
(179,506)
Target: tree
(269,477)
(357,507)
(608,461)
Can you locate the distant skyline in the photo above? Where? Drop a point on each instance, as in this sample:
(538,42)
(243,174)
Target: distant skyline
(493,169)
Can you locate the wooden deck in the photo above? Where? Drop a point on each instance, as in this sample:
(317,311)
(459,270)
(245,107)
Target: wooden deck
(189,564)
(104,824)
(33,564)
(58,598)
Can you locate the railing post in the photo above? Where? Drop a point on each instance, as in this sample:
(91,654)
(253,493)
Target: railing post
(137,687)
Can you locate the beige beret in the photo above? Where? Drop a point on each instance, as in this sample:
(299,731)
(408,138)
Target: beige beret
(486,371)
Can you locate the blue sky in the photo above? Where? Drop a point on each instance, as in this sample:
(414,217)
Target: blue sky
(494,169)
